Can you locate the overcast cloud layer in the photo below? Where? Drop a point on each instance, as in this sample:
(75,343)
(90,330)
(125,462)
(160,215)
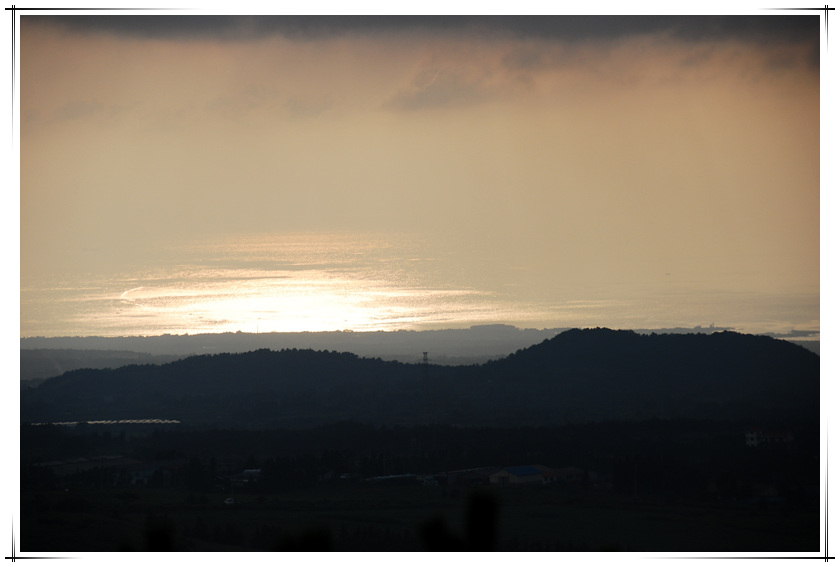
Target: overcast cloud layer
(585,149)
(803,28)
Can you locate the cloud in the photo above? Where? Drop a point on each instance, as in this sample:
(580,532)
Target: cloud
(307,108)
(433,88)
(77,109)
(770,28)
(240,102)
(526,58)
(458,74)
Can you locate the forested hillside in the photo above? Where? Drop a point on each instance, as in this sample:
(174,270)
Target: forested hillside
(579,375)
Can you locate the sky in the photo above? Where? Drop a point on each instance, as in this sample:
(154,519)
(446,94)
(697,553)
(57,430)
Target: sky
(592,158)
(588,156)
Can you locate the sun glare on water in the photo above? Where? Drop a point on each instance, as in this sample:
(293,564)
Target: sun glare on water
(291,284)
(306,302)
(359,282)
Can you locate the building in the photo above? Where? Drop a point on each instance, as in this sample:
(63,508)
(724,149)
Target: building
(758,437)
(529,474)
(246,477)
(570,474)
(466,477)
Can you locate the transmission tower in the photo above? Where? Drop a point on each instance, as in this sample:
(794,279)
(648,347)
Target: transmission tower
(426,388)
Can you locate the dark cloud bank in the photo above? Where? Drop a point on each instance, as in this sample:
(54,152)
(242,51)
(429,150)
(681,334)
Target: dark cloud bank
(775,26)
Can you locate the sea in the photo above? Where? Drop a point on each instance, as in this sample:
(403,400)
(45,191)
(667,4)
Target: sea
(298,282)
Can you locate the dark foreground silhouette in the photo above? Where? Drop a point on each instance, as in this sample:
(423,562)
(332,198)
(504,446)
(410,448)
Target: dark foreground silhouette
(655,485)
(435,535)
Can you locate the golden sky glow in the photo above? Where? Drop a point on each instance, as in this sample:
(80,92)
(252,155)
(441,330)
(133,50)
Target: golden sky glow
(646,162)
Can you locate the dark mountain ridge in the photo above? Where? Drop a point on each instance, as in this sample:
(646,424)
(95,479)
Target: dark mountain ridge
(653,371)
(42,357)
(579,375)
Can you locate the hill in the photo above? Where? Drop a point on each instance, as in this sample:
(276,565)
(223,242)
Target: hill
(579,375)
(477,342)
(45,357)
(38,364)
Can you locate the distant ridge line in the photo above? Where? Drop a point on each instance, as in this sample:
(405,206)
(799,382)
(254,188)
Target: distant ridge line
(578,375)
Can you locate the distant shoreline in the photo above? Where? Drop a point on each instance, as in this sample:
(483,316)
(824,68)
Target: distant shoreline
(794,334)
